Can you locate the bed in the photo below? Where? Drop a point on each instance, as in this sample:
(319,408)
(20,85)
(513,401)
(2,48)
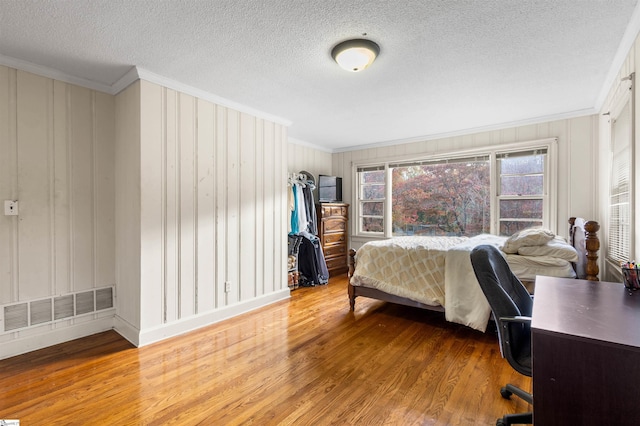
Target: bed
(435,272)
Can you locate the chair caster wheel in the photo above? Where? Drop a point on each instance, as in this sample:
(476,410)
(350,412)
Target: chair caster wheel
(506,394)
(500,422)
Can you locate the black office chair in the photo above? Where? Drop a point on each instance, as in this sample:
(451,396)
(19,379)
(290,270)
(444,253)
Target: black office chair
(511,306)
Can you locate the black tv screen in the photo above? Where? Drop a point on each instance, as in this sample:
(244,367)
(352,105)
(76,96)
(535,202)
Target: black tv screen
(329,188)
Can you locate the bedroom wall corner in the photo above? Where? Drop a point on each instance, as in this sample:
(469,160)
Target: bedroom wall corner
(127,171)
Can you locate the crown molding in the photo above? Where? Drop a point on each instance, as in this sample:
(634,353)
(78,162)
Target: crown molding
(134,74)
(474,130)
(299,142)
(53,74)
(137,73)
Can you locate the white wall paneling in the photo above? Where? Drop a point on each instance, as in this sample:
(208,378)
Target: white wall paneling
(212,211)
(128,214)
(161,194)
(57,160)
(302,157)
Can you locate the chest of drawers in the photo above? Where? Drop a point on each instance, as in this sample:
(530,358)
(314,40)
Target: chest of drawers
(333,220)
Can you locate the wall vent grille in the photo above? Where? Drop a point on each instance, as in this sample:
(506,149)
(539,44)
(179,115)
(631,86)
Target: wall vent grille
(23,315)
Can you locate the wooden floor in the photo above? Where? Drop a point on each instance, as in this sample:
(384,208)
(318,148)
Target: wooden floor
(305,361)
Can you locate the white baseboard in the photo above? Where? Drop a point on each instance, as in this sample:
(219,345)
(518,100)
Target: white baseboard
(126,330)
(137,337)
(55,336)
(155,334)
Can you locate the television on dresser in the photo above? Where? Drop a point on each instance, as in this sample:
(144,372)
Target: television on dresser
(329,189)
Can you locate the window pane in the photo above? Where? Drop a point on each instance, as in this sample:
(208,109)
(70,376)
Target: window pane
(521,209)
(510,227)
(441,199)
(372,192)
(372,224)
(373,209)
(528,164)
(522,185)
(373,177)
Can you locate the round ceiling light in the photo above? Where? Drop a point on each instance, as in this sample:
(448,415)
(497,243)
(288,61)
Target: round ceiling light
(355,55)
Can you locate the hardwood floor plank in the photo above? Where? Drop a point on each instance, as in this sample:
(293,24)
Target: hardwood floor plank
(307,360)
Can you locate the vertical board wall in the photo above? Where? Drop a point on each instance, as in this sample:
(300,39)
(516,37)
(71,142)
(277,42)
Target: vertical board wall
(212,212)
(57,160)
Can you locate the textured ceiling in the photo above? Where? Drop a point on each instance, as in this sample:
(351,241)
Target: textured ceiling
(445,66)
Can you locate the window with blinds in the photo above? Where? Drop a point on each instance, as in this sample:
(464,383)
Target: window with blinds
(619,229)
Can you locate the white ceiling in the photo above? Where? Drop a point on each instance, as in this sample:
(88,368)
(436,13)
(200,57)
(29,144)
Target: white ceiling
(445,67)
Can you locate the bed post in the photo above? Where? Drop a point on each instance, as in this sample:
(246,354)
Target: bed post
(351,262)
(592,244)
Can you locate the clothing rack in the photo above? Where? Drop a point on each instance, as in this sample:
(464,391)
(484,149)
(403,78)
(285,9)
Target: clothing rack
(307,265)
(302,178)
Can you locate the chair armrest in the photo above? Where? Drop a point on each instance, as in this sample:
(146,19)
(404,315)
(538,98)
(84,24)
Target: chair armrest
(520,319)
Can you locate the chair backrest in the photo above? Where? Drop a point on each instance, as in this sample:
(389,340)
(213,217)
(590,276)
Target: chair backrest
(508,298)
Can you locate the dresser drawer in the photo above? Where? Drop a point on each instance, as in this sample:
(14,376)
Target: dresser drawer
(335,250)
(334,225)
(339,211)
(336,238)
(335,211)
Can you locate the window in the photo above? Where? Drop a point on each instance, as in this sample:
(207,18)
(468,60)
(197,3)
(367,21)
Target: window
(493,191)
(371,198)
(441,197)
(521,190)
(619,228)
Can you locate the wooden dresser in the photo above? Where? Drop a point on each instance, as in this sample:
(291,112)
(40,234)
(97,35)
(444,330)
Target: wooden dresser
(333,219)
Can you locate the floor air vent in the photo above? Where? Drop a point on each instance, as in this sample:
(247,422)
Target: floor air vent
(37,312)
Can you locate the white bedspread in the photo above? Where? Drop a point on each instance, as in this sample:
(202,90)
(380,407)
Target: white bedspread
(430,270)
(464,301)
(437,271)
(411,267)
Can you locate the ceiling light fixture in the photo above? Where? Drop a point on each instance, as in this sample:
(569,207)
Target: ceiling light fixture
(355,55)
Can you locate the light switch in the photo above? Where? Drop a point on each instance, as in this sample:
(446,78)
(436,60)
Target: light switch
(11,207)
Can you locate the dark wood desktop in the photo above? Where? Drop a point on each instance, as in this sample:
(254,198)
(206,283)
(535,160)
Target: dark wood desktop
(586,353)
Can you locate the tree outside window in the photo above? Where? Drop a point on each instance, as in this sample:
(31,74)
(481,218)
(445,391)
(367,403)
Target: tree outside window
(441,199)
(453,196)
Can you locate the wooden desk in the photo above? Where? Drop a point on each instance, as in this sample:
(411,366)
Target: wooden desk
(586,353)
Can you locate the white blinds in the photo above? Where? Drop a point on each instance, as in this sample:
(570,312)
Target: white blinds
(619,244)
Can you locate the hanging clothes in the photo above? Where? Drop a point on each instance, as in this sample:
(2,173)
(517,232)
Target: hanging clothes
(311,263)
(303,223)
(294,223)
(302,205)
(310,209)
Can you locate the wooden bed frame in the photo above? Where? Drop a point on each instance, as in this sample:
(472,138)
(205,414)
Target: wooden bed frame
(592,245)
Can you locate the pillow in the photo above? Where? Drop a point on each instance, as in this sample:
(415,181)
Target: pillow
(527,237)
(557,247)
(527,268)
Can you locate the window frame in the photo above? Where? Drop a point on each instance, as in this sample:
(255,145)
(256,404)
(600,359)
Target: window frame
(359,214)
(550,183)
(544,197)
(624,98)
